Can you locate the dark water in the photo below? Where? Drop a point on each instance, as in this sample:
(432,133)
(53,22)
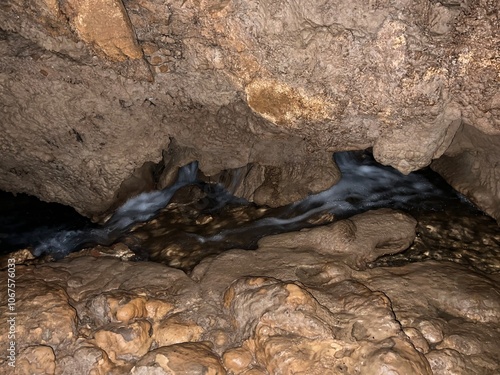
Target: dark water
(209,220)
(25,221)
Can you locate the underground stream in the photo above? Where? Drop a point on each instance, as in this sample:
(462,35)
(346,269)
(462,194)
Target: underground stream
(184,232)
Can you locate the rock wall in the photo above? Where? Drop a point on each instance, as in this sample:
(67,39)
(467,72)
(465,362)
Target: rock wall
(92,90)
(471,165)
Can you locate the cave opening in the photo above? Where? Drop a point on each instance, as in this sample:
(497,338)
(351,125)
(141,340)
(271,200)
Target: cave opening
(195,218)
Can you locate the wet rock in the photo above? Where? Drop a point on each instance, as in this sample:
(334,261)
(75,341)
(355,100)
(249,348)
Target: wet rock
(291,86)
(431,329)
(124,342)
(185,358)
(471,297)
(20,257)
(237,360)
(85,360)
(453,318)
(417,339)
(361,239)
(297,304)
(175,330)
(470,166)
(446,361)
(280,185)
(290,332)
(44,313)
(36,360)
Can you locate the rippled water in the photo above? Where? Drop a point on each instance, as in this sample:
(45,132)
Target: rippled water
(449,226)
(26,221)
(206,220)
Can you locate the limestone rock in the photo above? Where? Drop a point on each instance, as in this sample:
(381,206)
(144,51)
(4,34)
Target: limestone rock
(175,330)
(446,361)
(124,342)
(361,239)
(104,24)
(297,304)
(271,84)
(237,360)
(36,360)
(44,314)
(185,358)
(466,300)
(470,297)
(470,165)
(417,339)
(290,332)
(85,360)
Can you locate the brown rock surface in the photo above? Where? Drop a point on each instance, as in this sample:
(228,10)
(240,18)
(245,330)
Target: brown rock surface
(295,305)
(275,84)
(44,314)
(471,166)
(105,25)
(360,239)
(179,359)
(37,360)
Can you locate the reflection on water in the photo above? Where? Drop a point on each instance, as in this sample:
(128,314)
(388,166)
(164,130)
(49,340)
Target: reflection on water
(459,234)
(449,228)
(206,220)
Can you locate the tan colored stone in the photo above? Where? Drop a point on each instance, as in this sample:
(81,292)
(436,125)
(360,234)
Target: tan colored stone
(164,68)
(446,361)
(149,48)
(124,342)
(179,359)
(290,332)
(284,105)
(158,309)
(461,294)
(44,314)
(106,25)
(19,256)
(360,239)
(417,339)
(431,330)
(254,372)
(470,166)
(86,360)
(156,60)
(296,308)
(270,85)
(132,309)
(36,360)
(175,330)
(465,344)
(237,360)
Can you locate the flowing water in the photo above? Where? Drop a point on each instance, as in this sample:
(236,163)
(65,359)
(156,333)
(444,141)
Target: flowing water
(206,219)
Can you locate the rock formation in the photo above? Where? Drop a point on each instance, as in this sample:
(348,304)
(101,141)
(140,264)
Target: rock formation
(303,303)
(93,90)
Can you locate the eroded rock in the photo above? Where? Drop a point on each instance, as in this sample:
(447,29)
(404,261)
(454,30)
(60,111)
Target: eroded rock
(297,305)
(37,360)
(470,165)
(274,85)
(290,332)
(360,239)
(185,358)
